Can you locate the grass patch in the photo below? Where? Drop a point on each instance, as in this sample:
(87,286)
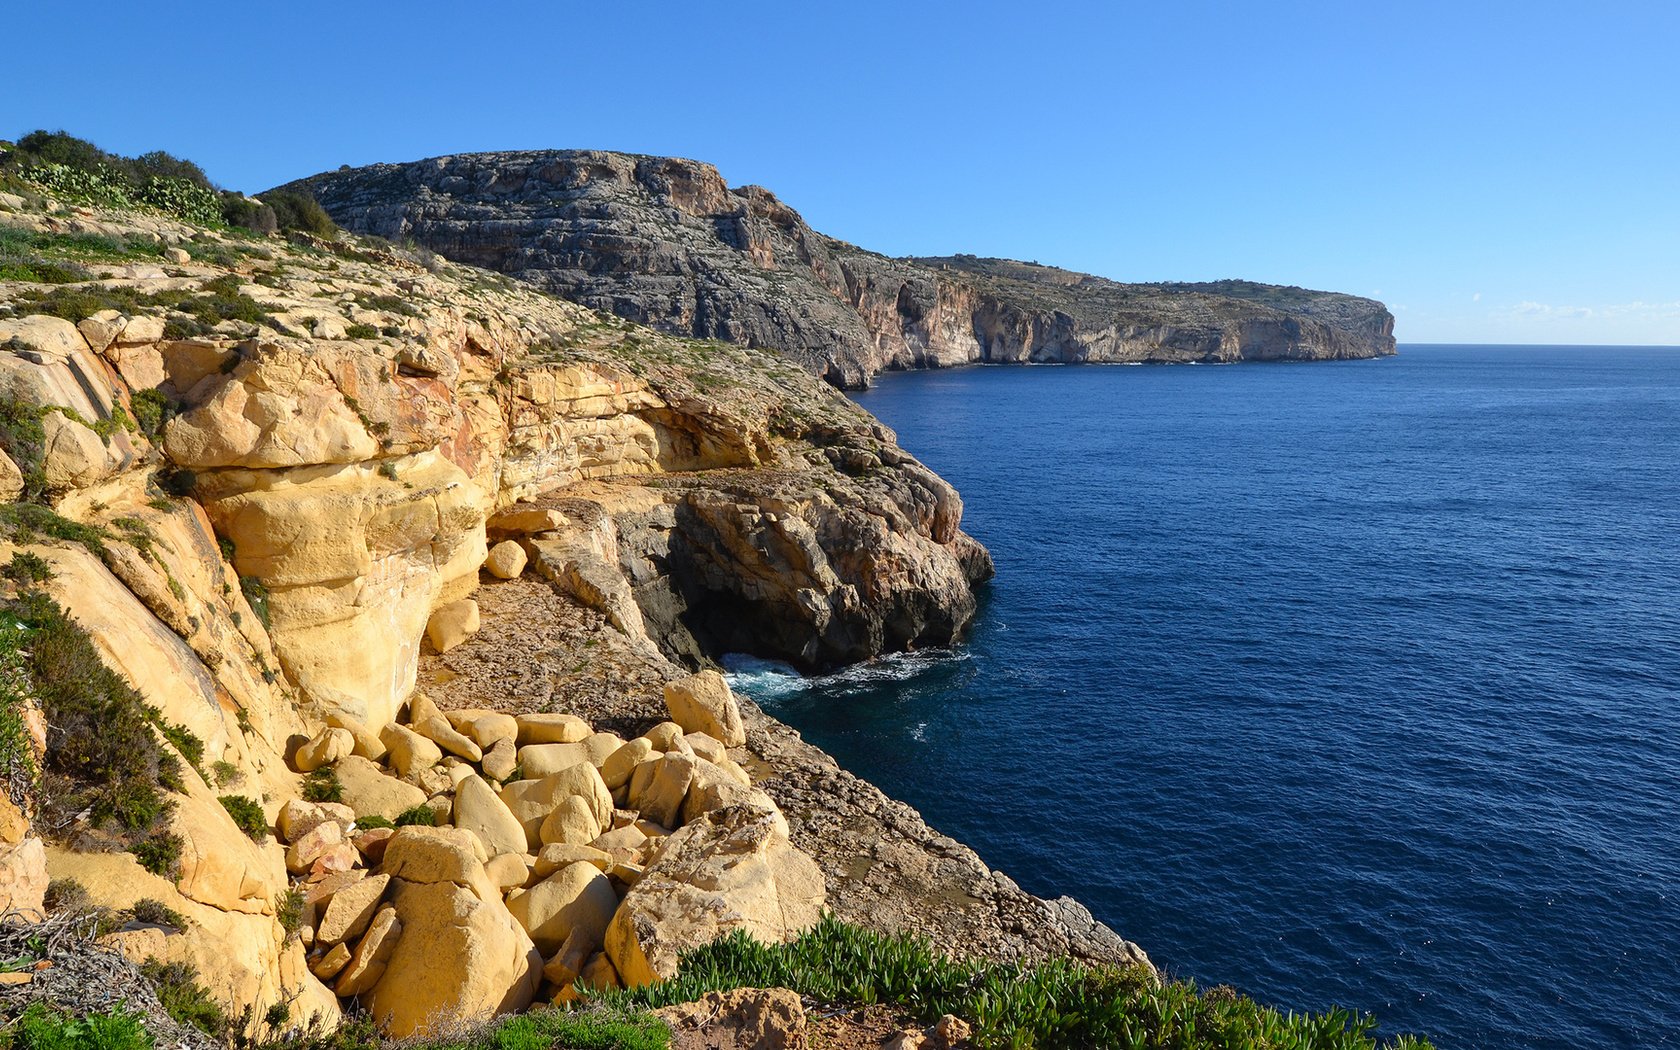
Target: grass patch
(372,821)
(1058,1005)
(42,1027)
(247,816)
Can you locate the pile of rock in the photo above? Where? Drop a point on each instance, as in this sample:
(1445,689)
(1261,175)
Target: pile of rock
(549,857)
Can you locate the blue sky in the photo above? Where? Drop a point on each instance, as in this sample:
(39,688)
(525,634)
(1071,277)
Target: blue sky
(1495,172)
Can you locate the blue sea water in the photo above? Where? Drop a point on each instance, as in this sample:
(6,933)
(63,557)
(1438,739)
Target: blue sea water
(1348,683)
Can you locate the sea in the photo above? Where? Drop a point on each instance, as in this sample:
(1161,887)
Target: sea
(1341,683)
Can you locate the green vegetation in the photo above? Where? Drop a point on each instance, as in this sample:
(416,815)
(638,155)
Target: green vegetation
(256,594)
(288,910)
(25,440)
(152,410)
(1058,1004)
(157,913)
(184,998)
(322,785)
(42,1027)
(300,212)
(371,821)
(159,854)
(60,258)
(247,816)
(76,169)
(103,756)
(422,815)
(361,331)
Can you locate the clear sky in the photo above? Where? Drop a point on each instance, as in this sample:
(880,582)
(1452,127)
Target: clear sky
(1494,171)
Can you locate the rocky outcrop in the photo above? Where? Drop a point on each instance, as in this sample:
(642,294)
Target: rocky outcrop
(667,243)
(264,479)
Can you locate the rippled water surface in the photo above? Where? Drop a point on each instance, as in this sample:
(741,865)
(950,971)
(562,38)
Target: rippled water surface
(1347,683)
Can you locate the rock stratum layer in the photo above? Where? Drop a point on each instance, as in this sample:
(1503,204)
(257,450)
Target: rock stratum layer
(277,485)
(667,243)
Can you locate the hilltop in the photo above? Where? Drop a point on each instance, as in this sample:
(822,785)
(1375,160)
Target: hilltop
(667,243)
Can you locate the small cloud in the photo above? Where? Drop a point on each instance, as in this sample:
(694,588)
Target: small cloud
(1476,298)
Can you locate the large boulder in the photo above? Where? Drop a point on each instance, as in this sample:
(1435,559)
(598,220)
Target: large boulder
(480,811)
(732,869)
(577,897)
(371,792)
(461,959)
(702,703)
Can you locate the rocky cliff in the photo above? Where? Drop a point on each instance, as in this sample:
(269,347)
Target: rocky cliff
(268,498)
(667,243)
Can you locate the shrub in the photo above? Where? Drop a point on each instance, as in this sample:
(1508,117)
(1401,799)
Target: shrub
(422,815)
(159,854)
(66,894)
(103,755)
(26,568)
(288,910)
(77,169)
(322,785)
(299,211)
(247,816)
(158,913)
(361,331)
(248,213)
(371,821)
(152,409)
(183,998)
(25,441)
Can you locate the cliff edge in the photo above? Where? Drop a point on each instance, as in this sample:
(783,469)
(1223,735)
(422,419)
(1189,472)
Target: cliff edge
(667,243)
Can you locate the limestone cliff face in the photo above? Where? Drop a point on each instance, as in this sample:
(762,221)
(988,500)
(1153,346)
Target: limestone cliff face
(667,243)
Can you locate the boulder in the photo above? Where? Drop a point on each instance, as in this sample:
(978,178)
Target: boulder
(462,959)
(487,730)
(373,953)
(571,823)
(616,770)
(551,729)
(667,736)
(732,869)
(745,1018)
(323,749)
(23,878)
(371,792)
(298,817)
(557,855)
(577,897)
(509,870)
(506,560)
(372,842)
(368,744)
(523,521)
(409,751)
(437,729)
(332,963)
(428,855)
(312,845)
(598,973)
(703,703)
(480,811)
(500,760)
(351,910)
(452,624)
(706,746)
(662,800)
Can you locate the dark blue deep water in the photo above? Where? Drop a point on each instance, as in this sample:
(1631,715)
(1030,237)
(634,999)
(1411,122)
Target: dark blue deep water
(1346,683)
